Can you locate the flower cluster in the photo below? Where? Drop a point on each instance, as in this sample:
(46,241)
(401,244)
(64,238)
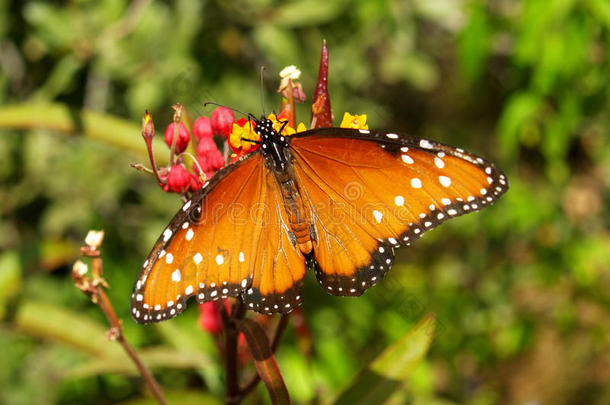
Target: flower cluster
(208,159)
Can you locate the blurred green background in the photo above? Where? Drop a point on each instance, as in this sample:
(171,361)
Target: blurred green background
(521,290)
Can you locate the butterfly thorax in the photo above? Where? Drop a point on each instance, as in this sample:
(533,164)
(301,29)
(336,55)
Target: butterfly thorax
(278,158)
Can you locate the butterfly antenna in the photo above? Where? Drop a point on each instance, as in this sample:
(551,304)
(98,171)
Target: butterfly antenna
(262,92)
(226,106)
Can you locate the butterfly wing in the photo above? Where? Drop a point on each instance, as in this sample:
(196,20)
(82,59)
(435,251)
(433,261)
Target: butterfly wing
(369,192)
(229,239)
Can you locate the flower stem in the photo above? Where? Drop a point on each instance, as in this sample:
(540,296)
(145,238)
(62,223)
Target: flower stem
(281,327)
(230,323)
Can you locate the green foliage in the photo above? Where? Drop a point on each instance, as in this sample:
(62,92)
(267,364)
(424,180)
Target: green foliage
(520,291)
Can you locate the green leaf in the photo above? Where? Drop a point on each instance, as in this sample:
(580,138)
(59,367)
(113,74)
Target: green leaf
(307,12)
(58,117)
(153,357)
(473,43)
(389,370)
(47,321)
(520,109)
(179,397)
(265,363)
(10,278)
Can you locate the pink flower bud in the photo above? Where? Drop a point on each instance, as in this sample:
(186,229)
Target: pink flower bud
(202,128)
(183,137)
(222,121)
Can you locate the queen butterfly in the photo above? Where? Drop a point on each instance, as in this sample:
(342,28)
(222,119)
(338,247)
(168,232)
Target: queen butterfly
(336,200)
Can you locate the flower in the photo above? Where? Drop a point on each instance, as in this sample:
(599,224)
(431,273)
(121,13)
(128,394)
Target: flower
(354,121)
(183,137)
(278,123)
(178,179)
(209,316)
(222,122)
(202,128)
(243,129)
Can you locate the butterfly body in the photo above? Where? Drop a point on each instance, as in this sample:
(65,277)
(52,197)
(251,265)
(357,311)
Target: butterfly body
(338,201)
(278,158)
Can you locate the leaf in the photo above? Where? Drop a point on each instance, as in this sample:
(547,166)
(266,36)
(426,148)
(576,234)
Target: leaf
(265,363)
(307,12)
(10,278)
(389,370)
(47,321)
(153,357)
(520,109)
(59,117)
(178,397)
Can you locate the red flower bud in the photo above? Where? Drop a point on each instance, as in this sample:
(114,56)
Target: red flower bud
(148,129)
(209,316)
(202,128)
(183,137)
(222,121)
(205,146)
(195,183)
(178,179)
(209,163)
(321,114)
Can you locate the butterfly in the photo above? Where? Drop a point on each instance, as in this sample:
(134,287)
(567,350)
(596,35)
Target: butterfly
(335,200)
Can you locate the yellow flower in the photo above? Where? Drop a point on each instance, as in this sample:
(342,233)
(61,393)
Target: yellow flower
(288,130)
(243,129)
(354,121)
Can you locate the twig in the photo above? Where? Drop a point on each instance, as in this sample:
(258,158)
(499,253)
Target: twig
(94,288)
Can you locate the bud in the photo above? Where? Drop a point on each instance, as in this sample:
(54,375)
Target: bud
(321,114)
(94,239)
(209,316)
(202,128)
(183,137)
(148,129)
(222,122)
(178,179)
(205,146)
(195,183)
(79,268)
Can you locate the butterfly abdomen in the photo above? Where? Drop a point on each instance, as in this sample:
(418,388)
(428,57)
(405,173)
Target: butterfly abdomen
(297,217)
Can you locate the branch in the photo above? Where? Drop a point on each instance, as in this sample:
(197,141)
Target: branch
(94,288)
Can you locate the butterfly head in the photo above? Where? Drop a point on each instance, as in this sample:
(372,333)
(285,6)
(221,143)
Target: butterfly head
(273,144)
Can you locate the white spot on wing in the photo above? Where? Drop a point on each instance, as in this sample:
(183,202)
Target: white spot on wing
(444,180)
(176,276)
(187,205)
(392,136)
(189,234)
(439,162)
(169,258)
(220,260)
(378,215)
(241,257)
(424,143)
(197,258)
(399,200)
(167,234)
(416,183)
(407,159)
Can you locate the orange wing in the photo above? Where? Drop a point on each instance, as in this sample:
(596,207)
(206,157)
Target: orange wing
(369,192)
(229,239)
